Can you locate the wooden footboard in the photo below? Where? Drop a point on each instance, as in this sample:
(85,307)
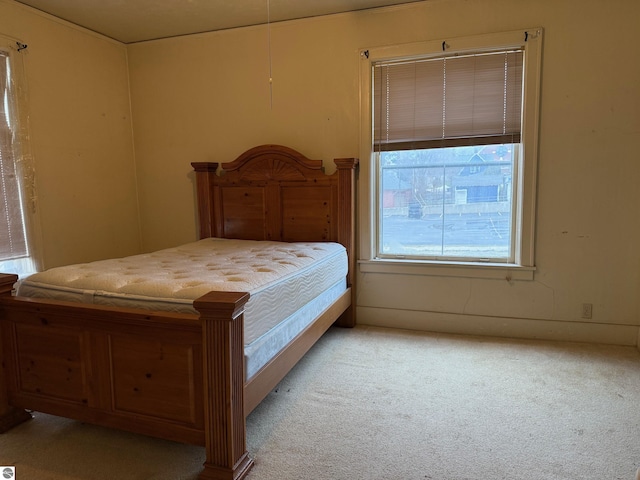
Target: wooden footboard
(173,376)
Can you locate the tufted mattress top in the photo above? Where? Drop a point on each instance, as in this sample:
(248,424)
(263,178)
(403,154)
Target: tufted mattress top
(280,277)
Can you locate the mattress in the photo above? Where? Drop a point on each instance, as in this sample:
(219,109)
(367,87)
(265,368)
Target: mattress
(283,279)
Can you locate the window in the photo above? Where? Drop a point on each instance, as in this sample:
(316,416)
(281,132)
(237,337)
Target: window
(451,131)
(15,249)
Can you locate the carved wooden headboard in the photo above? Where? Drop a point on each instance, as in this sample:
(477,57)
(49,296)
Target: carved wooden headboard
(272,192)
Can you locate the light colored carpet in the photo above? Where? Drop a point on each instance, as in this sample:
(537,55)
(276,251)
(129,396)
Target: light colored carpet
(371,403)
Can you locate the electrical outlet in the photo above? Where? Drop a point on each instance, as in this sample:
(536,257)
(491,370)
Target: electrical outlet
(587,310)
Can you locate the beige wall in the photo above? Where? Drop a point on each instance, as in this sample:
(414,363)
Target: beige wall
(206,97)
(81,137)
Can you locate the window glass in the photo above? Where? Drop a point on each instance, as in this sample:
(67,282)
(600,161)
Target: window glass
(454,202)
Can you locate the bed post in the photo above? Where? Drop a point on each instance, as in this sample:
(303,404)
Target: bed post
(204,192)
(346,169)
(222,315)
(9,416)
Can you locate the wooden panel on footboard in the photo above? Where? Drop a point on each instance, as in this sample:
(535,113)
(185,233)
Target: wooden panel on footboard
(120,368)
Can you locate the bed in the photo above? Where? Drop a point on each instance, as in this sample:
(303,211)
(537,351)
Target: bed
(180,373)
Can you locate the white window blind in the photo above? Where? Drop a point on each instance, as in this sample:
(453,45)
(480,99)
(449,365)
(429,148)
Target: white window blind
(453,101)
(13,240)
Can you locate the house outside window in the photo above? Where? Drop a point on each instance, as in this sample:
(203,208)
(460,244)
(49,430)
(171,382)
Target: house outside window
(16,173)
(450,128)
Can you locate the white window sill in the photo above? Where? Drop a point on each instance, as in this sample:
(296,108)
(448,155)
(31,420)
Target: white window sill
(500,271)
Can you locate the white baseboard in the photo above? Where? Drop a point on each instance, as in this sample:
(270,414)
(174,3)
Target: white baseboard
(611,334)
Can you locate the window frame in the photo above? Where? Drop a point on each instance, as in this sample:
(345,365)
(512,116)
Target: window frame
(24,164)
(523,266)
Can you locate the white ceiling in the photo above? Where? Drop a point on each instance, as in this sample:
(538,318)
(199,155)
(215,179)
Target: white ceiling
(130,21)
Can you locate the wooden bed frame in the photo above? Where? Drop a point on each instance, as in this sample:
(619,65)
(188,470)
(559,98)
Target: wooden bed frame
(180,376)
